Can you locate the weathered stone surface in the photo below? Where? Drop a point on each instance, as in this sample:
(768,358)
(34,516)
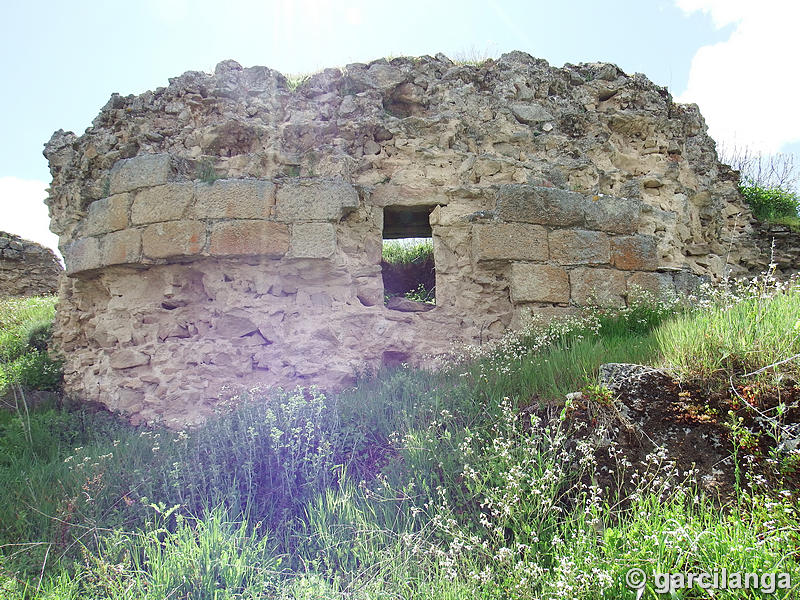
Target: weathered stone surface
(538,283)
(234,199)
(509,241)
(145,170)
(322,200)
(313,240)
(122,247)
(603,287)
(242,238)
(634,253)
(175,238)
(405,305)
(612,214)
(541,205)
(537,181)
(579,247)
(161,203)
(82,255)
(530,113)
(658,284)
(27,268)
(107,215)
(128,358)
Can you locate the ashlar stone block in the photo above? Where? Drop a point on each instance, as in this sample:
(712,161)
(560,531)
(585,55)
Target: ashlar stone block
(326,200)
(509,241)
(613,214)
(603,287)
(658,284)
(161,203)
(145,170)
(313,240)
(108,214)
(174,238)
(82,255)
(634,252)
(234,199)
(579,247)
(538,283)
(122,247)
(241,238)
(540,205)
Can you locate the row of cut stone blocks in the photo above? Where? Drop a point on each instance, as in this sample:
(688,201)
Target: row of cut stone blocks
(317,200)
(526,242)
(187,238)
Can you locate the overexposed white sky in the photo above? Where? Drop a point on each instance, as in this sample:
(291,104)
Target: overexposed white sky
(62,60)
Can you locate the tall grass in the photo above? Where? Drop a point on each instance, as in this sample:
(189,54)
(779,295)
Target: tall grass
(404,251)
(464,482)
(740,331)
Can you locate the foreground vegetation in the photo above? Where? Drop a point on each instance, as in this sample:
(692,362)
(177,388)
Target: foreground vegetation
(466,482)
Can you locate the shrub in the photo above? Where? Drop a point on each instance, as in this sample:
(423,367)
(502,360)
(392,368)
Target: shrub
(768,203)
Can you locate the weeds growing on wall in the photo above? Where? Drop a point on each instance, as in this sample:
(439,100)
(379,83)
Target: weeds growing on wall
(464,482)
(770,204)
(769,184)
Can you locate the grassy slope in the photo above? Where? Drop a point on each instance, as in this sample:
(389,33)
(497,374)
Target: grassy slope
(414,484)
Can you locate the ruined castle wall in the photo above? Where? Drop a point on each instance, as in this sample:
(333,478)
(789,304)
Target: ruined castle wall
(781,245)
(226,231)
(27,268)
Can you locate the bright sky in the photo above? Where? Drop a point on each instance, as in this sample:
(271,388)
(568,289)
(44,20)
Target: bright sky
(62,60)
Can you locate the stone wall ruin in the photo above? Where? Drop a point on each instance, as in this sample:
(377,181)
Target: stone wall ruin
(226,231)
(27,268)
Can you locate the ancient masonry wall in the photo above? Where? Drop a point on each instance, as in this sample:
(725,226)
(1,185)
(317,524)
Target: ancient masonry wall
(27,268)
(226,231)
(781,245)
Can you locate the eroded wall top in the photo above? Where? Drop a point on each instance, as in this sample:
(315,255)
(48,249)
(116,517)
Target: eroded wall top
(27,268)
(426,127)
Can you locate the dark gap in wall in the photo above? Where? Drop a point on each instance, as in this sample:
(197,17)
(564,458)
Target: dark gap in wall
(408,268)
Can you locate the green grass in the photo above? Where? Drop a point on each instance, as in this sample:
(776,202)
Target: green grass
(413,484)
(737,333)
(403,252)
(792,223)
(25,326)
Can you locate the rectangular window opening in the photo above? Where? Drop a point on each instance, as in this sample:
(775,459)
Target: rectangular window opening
(407,263)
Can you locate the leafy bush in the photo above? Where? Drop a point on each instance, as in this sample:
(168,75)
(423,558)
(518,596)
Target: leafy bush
(768,203)
(25,331)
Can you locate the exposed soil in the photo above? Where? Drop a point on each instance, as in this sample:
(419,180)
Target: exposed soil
(693,426)
(399,279)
